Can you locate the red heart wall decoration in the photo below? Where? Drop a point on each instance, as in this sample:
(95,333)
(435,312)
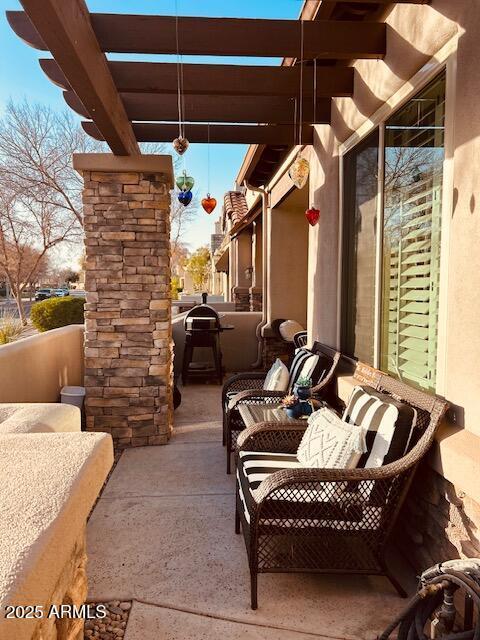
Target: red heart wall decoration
(209,203)
(313,216)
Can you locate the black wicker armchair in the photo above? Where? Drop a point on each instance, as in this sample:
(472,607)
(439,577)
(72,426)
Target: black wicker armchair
(247,388)
(326,520)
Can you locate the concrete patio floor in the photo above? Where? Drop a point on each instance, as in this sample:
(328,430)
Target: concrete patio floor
(162,535)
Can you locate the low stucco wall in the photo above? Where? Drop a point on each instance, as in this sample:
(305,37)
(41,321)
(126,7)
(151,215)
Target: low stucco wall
(239,347)
(50,482)
(36,368)
(33,417)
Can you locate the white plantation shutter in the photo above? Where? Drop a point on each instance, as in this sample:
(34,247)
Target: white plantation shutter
(413,288)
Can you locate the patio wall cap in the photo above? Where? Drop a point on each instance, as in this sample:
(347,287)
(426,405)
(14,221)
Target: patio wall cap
(145,163)
(44,337)
(49,484)
(39,417)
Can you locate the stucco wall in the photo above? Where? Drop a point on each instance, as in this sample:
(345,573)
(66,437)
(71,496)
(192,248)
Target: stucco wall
(462,385)
(287,256)
(244,249)
(323,239)
(36,368)
(415,34)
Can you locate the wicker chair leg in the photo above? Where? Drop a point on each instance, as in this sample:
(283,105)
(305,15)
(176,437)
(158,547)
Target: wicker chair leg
(237,521)
(253,588)
(224,428)
(229,449)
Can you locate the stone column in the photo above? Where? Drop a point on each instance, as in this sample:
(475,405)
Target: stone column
(128,344)
(243,253)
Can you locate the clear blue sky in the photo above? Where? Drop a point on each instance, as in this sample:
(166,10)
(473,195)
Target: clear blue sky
(21,76)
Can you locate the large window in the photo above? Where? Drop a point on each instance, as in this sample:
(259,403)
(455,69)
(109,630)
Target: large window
(410,228)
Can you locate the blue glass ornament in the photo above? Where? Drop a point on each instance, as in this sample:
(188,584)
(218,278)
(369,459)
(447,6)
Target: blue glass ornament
(185,197)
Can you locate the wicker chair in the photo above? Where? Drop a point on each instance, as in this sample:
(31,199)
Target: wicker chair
(247,388)
(328,520)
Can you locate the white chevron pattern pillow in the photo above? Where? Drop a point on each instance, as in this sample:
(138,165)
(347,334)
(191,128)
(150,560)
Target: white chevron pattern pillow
(331,443)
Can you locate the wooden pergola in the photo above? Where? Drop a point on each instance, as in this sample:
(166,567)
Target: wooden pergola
(125,102)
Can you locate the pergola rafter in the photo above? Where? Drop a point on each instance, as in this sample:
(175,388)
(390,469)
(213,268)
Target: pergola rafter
(246,109)
(218,79)
(67,32)
(280,134)
(122,33)
(129,102)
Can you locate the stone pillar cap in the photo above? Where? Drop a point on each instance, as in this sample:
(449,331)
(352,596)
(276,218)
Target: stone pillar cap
(143,163)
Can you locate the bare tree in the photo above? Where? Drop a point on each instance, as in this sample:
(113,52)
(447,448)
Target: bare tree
(36,148)
(180,218)
(179,254)
(29,229)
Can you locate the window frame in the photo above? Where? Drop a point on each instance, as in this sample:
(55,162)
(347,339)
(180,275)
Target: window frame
(444,61)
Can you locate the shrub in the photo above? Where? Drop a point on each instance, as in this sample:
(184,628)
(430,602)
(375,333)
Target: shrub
(57,312)
(11,327)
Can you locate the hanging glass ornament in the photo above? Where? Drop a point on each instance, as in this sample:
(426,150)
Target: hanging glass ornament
(180,145)
(299,172)
(184,182)
(185,197)
(300,168)
(209,203)
(313,216)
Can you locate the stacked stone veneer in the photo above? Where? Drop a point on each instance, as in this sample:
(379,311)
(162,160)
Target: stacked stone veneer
(128,349)
(438,521)
(71,589)
(241,298)
(256,299)
(274,348)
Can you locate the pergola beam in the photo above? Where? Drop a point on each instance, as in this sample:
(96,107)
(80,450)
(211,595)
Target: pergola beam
(217,134)
(65,29)
(154,34)
(257,109)
(384,2)
(219,79)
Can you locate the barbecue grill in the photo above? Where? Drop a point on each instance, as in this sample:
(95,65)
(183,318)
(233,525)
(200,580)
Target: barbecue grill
(202,329)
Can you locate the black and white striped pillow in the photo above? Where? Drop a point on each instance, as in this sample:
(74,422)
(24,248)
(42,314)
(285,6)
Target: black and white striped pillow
(306,364)
(390,425)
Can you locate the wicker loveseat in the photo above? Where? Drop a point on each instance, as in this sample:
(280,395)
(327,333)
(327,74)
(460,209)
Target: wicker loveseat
(327,520)
(247,388)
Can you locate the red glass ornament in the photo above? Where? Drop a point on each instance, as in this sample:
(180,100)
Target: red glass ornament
(313,216)
(209,203)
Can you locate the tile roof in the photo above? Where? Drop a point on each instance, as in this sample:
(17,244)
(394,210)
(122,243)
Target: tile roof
(235,206)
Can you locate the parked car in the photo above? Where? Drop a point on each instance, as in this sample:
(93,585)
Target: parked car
(61,293)
(43,294)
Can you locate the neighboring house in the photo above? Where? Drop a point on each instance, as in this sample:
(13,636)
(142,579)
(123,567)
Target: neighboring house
(239,255)
(390,274)
(218,280)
